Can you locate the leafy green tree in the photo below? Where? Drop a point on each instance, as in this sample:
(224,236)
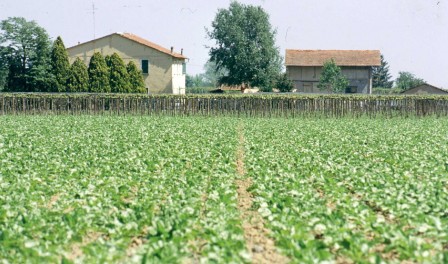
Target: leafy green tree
(381,76)
(212,74)
(78,77)
(245,46)
(135,78)
(25,55)
(60,65)
(194,80)
(283,83)
(332,79)
(407,80)
(98,74)
(119,76)
(4,67)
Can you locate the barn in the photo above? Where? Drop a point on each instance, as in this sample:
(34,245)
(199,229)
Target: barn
(304,68)
(164,71)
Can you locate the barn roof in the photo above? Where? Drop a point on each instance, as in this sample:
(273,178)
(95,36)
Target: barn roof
(142,41)
(423,86)
(341,57)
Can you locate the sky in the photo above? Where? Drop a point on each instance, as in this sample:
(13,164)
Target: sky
(411,34)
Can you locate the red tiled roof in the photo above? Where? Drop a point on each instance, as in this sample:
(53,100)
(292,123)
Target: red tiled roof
(144,42)
(151,44)
(341,57)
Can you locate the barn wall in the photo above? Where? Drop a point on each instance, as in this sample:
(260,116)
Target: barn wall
(306,78)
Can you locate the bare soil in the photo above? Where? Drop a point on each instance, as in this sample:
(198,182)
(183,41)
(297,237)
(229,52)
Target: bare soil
(259,244)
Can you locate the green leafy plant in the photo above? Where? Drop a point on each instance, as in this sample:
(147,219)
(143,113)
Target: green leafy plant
(332,79)
(98,74)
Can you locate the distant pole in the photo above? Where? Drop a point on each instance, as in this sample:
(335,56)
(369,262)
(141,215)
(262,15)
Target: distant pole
(94,26)
(92,11)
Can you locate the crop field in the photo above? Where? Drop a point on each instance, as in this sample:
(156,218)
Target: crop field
(160,189)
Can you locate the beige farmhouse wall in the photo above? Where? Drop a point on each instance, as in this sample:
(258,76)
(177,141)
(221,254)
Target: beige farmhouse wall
(163,75)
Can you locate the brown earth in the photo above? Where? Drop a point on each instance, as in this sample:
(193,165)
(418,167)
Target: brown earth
(259,244)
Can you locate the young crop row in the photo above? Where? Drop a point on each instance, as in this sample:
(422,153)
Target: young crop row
(139,189)
(353,190)
(114,189)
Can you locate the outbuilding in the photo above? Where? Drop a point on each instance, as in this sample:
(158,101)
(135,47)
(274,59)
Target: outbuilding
(304,68)
(426,89)
(164,70)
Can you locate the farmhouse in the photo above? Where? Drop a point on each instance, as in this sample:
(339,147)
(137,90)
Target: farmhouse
(426,89)
(304,68)
(163,69)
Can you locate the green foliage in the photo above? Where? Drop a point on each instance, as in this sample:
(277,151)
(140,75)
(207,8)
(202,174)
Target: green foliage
(332,79)
(283,83)
(119,77)
(358,190)
(194,81)
(60,65)
(98,74)
(213,74)
(380,90)
(4,67)
(351,185)
(78,77)
(135,78)
(381,76)
(25,56)
(200,90)
(407,80)
(103,182)
(245,46)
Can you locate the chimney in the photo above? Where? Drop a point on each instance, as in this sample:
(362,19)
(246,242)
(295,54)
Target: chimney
(181,51)
(172,49)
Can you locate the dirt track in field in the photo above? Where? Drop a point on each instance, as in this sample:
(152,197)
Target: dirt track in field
(259,244)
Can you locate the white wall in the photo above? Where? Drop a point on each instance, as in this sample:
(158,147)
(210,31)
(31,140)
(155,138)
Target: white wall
(178,78)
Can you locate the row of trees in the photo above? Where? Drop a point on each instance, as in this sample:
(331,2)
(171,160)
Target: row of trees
(31,63)
(383,79)
(333,80)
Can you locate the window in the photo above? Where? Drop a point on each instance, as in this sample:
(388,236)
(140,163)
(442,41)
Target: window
(184,68)
(351,89)
(145,66)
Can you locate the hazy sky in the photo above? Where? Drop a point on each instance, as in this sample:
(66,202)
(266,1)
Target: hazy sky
(411,34)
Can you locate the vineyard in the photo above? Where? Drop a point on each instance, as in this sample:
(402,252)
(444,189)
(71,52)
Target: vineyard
(224,105)
(169,189)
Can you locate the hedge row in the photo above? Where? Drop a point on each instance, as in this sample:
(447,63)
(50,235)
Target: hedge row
(211,105)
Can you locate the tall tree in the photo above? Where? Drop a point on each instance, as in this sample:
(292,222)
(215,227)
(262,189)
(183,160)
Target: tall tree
(283,83)
(135,78)
(245,46)
(332,79)
(78,77)
(60,65)
(213,74)
(195,80)
(118,75)
(381,75)
(98,74)
(4,67)
(407,80)
(26,54)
